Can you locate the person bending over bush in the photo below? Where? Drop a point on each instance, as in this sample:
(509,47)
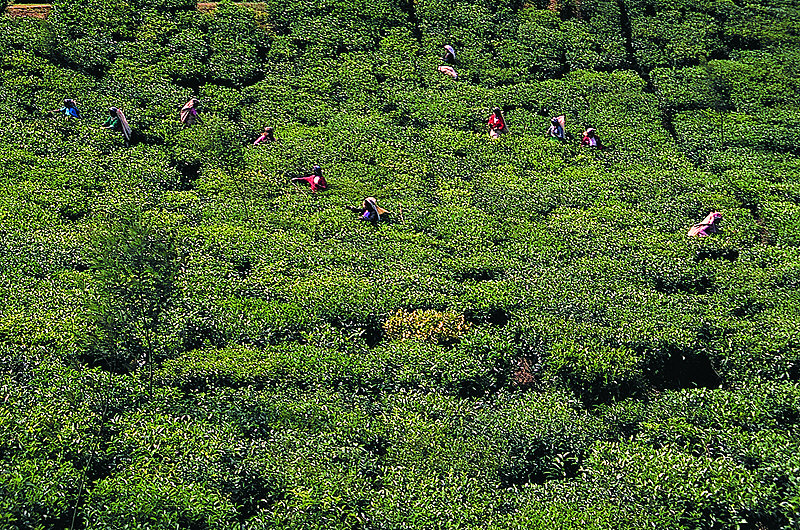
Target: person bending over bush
(448,70)
(267,136)
(369,210)
(590,139)
(497,124)
(68,109)
(556,130)
(117,122)
(315,180)
(709,225)
(189,114)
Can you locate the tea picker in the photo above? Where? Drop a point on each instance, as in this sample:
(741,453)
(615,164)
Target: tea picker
(68,109)
(707,227)
(267,136)
(315,180)
(369,210)
(448,70)
(556,130)
(188,114)
(117,122)
(590,139)
(497,123)
(449,56)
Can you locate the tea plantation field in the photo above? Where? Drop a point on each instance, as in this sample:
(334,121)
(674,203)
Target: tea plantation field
(188,340)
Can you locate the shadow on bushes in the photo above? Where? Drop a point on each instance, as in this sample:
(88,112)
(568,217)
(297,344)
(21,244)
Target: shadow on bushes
(201,330)
(680,369)
(476,275)
(371,331)
(189,172)
(492,315)
(535,463)
(596,390)
(728,254)
(251,492)
(687,285)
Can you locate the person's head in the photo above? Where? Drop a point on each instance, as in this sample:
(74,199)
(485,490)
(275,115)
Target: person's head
(195,102)
(497,112)
(554,121)
(69,103)
(370,203)
(590,132)
(316,170)
(269,132)
(112,111)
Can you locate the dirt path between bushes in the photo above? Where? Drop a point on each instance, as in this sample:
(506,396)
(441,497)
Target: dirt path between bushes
(206,7)
(43,10)
(29,10)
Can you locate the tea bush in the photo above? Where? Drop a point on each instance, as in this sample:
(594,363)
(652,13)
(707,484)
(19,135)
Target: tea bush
(190,339)
(135,267)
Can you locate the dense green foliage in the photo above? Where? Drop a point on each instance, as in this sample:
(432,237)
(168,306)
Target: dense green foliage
(528,340)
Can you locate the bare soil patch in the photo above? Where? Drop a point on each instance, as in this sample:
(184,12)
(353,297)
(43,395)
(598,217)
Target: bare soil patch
(29,10)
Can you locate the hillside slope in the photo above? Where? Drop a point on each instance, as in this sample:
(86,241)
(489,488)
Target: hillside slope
(528,339)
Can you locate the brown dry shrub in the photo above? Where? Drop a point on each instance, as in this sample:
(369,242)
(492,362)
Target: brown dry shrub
(524,373)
